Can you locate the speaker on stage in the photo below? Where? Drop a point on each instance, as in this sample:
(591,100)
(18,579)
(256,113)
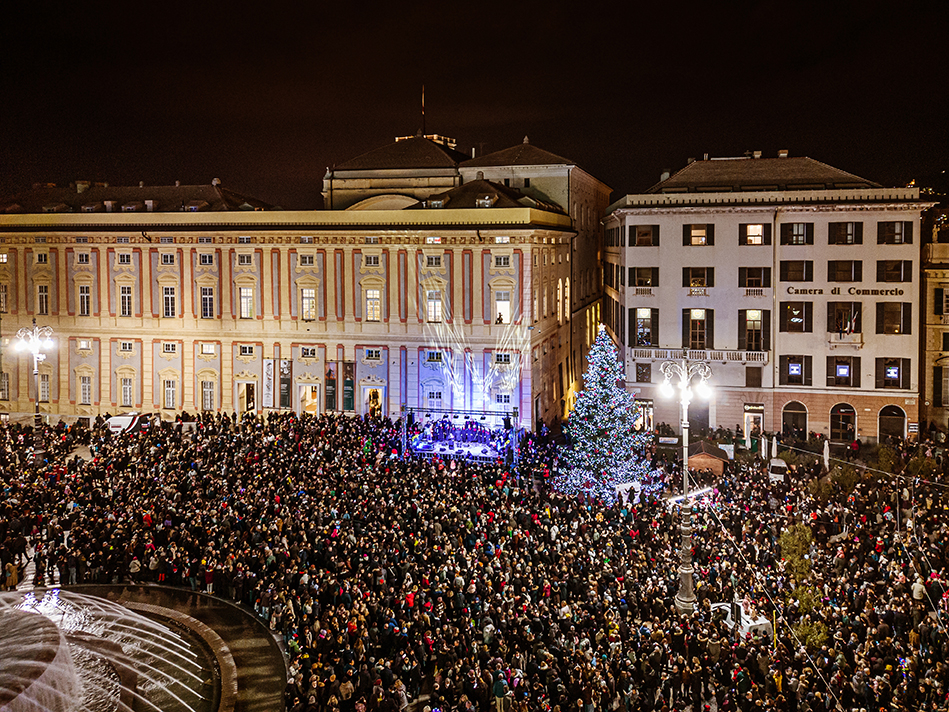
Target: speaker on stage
(411,420)
(507,423)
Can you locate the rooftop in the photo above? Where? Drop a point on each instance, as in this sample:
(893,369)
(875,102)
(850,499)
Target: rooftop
(410,153)
(523,154)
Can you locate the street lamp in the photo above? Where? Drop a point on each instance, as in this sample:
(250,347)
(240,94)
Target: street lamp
(684,373)
(35,340)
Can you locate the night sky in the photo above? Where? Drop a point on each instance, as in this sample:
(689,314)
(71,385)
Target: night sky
(266,96)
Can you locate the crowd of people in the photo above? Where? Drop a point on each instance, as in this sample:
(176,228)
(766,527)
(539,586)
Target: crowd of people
(454,586)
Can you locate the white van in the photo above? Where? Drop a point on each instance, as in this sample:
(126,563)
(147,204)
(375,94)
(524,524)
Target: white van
(129,422)
(746,624)
(778,470)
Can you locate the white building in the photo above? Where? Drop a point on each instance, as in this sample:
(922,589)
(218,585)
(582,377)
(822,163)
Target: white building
(796,281)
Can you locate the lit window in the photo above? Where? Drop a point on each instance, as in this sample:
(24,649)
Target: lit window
(170,302)
(373,305)
(84,344)
(44,388)
(42,299)
(373,354)
(207,303)
(434,305)
(247,350)
(308,304)
(171,398)
(125,300)
(85,300)
(243,240)
(502,305)
(3,299)
(3,258)
(4,386)
(754,234)
(85,390)
(207,395)
(246,296)
(208,349)
(307,352)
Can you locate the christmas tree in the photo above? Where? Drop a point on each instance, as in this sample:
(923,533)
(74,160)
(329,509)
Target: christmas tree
(605,450)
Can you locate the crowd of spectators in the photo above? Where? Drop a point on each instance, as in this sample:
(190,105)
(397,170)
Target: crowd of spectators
(452,586)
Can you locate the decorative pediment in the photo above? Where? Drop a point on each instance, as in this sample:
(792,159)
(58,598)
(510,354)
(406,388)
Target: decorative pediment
(246,280)
(308,378)
(207,374)
(125,372)
(206,279)
(169,374)
(373,380)
(246,376)
(308,281)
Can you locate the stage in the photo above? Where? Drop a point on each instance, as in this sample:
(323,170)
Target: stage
(470,441)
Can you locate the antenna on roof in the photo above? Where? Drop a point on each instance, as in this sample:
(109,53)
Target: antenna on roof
(423,109)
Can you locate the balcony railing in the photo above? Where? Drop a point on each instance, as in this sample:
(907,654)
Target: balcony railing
(840,339)
(643,291)
(700,355)
(698,291)
(754,291)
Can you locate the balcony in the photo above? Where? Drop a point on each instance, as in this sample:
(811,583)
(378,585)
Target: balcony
(643,292)
(754,291)
(837,340)
(698,291)
(657,354)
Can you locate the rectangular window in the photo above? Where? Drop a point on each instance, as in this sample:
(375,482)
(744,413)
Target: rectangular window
(246,296)
(170,400)
(643,373)
(84,344)
(433,261)
(752,325)
(845,233)
(42,258)
(697,235)
(125,300)
(502,398)
(797,271)
(207,303)
(307,352)
(794,370)
(308,240)
(372,260)
(168,258)
(204,240)
(502,261)
(244,240)
(844,317)
(208,349)
(894,270)
(3,299)
(893,373)
(169,302)
(124,258)
(502,358)
(843,371)
(42,299)
(167,240)
(644,323)
(434,357)
(796,317)
(306,260)
(82,258)
(4,386)
(308,304)
(698,276)
(126,346)
(894,317)
(754,234)
(206,259)
(122,240)
(3,258)
(797,234)
(44,388)
(502,305)
(373,354)
(373,305)
(697,325)
(169,347)
(894,233)
(754,277)
(85,390)
(433,239)
(433,299)
(245,259)
(844,271)
(246,349)
(643,276)
(643,235)
(207,395)
(85,300)
(753,376)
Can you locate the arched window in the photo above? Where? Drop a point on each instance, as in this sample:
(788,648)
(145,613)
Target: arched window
(843,423)
(794,420)
(892,422)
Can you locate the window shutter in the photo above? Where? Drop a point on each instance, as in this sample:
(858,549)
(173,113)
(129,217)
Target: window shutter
(685,328)
(766,277)
(686,235)
(858,233)
(808,271)
(906,271)
(855,372)
(655,276)
(743,234)
(938,300)
(786,234)
(654,327)
(880,236)
(742,329)
(710,234)
(937,386)
(632,277)
(879,319)
(784,271)
(782,370)
(655,235)
(908,232)
(630,231)
(831,375)
(710,276)
(767,234)
(858,271)
(808,317)
(807,371)
(880,370)
(783,317)
(881,270)
(686,274)
(808,233)
(710,329)
(622,324)
(832,326)
(906,320)
(831,270)
(904,373)
(633,341)
(766,330)
(858,322)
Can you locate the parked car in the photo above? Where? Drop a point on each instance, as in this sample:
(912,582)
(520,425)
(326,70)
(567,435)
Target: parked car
(734,614)
(778,470)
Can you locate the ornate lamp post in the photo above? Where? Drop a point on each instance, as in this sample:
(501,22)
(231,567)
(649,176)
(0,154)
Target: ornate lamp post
(684,372)
(35,340)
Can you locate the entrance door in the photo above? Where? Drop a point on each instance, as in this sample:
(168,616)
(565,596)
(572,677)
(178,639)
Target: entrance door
(372,397)
(246,399)
(892,422)
(794,420)
(753,427)
(843,423)
(310,399)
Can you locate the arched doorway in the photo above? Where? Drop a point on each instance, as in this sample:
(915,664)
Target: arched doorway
(843,423)
(794,420)
(892,422)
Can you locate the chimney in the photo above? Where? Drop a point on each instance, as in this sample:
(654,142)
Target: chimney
(177,183)
(141,184)
(109,205)
(706,157)
(473,152)
(216,181)
(480,175)
(83,185)
(757,154)
(665,175)
(150,205)
(783,153)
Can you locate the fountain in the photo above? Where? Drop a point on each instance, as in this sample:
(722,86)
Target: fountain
(69,652)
